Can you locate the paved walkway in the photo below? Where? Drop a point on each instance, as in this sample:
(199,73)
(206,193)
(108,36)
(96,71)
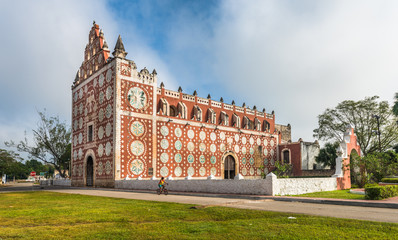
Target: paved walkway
(383,211)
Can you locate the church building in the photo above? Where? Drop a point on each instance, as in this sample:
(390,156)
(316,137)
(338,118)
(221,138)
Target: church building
(127,126)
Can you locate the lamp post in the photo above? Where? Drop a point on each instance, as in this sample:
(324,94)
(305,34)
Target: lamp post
(378,129)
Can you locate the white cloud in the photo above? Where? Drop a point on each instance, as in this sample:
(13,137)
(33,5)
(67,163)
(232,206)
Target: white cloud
(299,60)
(42,47)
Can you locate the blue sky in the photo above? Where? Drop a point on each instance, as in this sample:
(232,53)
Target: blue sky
(295,57)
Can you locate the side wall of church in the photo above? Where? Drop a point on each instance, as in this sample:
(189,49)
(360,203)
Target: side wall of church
(93,105)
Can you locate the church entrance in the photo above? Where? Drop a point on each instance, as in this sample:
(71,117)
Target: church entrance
(229,167)
(90,172)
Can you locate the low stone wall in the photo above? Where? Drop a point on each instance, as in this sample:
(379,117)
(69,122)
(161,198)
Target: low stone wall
(243,186)
(56,182)
(295,186)
(269,186)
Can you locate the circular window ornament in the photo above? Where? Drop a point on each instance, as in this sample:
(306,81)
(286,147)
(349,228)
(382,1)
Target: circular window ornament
(236,137)
(80,138)
(191,133)
(178,132)
(164,157)
(190,158)
(164,144)
(265,162)
(101,115)
(177,158)
(178,145)
(213,136)
(108,111)
(222,136)
(80,153)
(213,160)
(100,150)
(251,171)
(109,75)
(202,171)
(108,149)
(213,171)
(137,148)
(213,148)
(222,147)
(137,97)
(191,171)
(236,148)
(108,93)
(177,171)
(137,128)
(101,80)
(191,146)
(258,141)
(244,171)
(202,159)
(101,97)
(251,161)
(137,167)
(108,167)
(100,132)
(251,151)
(202,147)
(265,152)
(164,171)
(251,140)
(272,142)
(244,161)
(202,135)
(244,150)
(244,140)
(108,129)
(164,131)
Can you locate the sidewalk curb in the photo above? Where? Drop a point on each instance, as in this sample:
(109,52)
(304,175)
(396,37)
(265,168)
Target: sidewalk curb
(358,203)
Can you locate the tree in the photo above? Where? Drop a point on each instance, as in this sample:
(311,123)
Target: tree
(395,107)
(51,143)
(376,166)
(10,166)
(360,115)
(327,155)
(282,170)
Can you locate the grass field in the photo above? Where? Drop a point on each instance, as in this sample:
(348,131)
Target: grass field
(340,194)
(45,215)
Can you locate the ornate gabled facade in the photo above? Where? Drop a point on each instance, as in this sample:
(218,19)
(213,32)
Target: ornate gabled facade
(125,127)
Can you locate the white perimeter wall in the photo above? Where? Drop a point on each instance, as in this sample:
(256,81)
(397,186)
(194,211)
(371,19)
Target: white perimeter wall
(295,186)
(269,186)
(254,186)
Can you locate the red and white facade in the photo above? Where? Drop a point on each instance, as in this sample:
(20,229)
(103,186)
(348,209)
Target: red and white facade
(126,127)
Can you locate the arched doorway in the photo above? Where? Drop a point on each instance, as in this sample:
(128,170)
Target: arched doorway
(229,167)
(89,171)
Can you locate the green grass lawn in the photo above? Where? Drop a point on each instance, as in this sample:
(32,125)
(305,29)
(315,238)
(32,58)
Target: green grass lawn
(340,194)
(46,215)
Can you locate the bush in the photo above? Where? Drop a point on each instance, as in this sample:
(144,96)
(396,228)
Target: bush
(390,180)
(380,192)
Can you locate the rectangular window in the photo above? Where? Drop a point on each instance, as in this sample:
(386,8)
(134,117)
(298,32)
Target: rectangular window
(90,133)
